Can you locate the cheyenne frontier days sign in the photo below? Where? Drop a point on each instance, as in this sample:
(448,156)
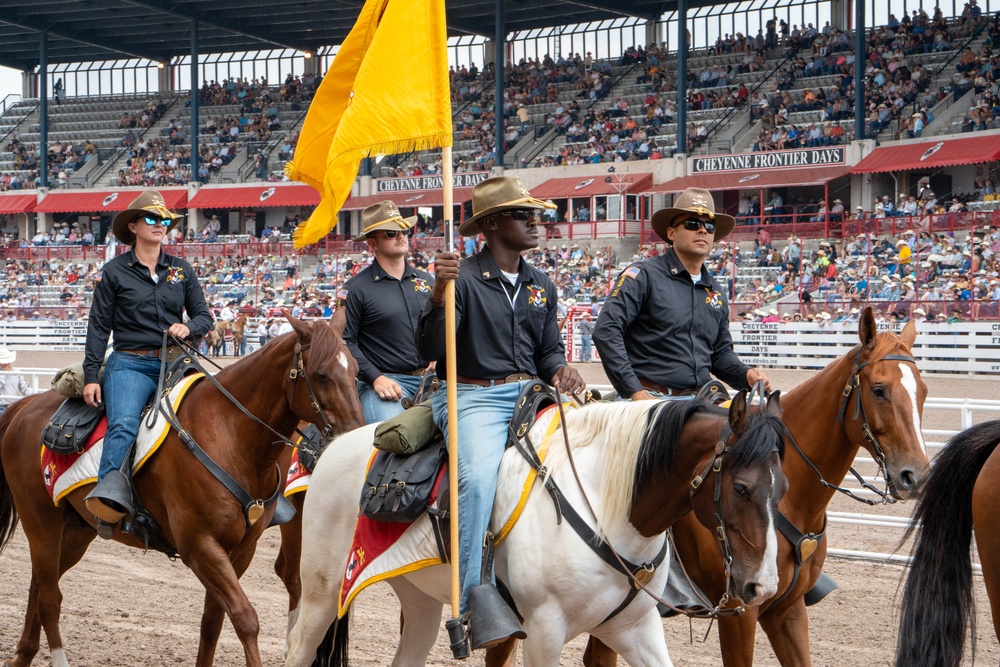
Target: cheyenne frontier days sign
(465,180)
(810,157)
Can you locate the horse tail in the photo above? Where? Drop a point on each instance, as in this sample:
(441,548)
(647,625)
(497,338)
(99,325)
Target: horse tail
(938,599)
(333,650)
(8,513)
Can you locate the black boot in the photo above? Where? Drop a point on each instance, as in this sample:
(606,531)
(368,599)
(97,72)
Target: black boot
(491,620)
(111,499)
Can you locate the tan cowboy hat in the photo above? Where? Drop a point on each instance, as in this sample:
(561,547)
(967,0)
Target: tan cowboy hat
(498,194)
(693,200)
(383,215)
(150,201)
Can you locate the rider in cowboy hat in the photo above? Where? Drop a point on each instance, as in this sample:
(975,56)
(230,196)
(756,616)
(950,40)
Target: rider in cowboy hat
(141,296)
(507,334)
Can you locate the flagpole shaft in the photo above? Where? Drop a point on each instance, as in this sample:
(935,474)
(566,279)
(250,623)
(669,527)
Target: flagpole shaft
(451,379)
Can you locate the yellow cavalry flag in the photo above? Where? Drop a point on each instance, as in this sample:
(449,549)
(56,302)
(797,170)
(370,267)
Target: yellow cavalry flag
(387,92)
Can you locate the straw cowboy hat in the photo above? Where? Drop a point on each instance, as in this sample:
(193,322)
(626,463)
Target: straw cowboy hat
(383,215)
(150,201)
(7,356)
(693,200)
(498,194)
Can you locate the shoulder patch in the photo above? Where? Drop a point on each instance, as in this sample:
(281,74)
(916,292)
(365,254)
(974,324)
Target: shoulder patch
(631,272)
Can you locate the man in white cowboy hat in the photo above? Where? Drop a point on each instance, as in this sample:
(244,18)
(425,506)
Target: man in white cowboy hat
(382,304)
(664,329)
(508,333)
(143,295)
(13,386)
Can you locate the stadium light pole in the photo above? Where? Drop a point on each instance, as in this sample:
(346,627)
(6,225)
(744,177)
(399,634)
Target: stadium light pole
(194,99)
(43,108)
(682,55)
(859,69)
(499,57)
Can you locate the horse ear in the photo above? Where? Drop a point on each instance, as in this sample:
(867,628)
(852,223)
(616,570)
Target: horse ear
(774,404)
(909,334)
(302,329)
(866,327)
(738,414)
(338,321)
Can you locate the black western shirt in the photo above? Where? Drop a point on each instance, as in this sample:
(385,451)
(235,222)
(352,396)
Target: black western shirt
(138,310)
(382,316)
(502,329)
(660,326)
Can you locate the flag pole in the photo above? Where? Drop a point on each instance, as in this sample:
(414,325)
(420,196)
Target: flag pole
(451,377)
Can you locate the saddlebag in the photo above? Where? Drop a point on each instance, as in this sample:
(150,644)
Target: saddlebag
(398,488)
(71,425)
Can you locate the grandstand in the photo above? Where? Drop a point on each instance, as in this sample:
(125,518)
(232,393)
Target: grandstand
(770,129)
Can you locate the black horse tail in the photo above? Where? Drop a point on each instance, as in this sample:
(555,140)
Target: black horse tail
(333,650)
(8,513)
(938,599)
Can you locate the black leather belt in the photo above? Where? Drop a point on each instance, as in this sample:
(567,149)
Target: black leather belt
(514,377)
(667,391)
(172,352)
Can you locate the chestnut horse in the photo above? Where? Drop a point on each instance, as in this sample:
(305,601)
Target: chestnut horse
(962,492)
(641,464)
(881,413)
(239,331)
(307,374)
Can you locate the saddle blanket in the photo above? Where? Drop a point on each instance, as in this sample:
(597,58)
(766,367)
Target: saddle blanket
(382,550)
(64,473)
(298,477)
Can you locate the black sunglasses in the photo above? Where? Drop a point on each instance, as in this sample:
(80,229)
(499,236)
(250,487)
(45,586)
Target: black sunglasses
(694,224)
(153,220)
(391,233)
(522,214)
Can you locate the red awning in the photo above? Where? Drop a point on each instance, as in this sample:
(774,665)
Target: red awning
(91,201)
(17,203)
(741,180)
(408,198)
(255,196)
(610,184)
(931,154)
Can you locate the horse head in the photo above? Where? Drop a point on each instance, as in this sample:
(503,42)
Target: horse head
(741,503)
(322,379)
(883,405)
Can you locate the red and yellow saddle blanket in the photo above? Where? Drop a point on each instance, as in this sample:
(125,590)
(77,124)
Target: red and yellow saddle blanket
(383,550)
(298,477)
(63,473)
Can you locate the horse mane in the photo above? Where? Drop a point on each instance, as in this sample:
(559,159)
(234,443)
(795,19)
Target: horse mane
(762,438)
(634,436)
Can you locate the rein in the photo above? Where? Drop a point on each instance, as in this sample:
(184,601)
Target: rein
(640,580)
(854,386)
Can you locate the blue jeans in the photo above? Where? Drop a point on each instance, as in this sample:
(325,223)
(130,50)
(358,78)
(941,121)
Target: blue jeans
(378,410)
(585,344)
(483,417)
(129,381)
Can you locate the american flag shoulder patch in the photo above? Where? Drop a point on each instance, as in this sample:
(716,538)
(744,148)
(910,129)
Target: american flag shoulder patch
(631,272)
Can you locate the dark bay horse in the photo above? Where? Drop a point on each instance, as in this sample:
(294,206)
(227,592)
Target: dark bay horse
(307,375)
(885,399)
(640,464)
(962,492)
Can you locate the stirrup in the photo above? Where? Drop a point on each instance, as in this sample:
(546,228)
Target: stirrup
(111,499)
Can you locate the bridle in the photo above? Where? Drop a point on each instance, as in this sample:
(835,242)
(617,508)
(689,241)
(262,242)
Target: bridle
(853,386)
(298,370)
(714,467)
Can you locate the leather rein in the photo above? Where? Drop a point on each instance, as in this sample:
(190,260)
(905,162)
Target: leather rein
(253,508)
(639,581)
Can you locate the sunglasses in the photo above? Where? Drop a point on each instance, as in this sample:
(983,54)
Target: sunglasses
(694,224)
(391,233)
(153,220)
(522,214)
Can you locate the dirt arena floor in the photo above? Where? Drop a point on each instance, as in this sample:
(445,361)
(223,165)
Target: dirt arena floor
(122,608)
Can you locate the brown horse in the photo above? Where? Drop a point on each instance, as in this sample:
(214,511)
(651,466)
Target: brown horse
(962,492)
(307,375)
(238,327)
(217,337)
(884,402)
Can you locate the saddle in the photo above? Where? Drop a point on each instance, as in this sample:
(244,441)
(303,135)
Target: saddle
(406,477)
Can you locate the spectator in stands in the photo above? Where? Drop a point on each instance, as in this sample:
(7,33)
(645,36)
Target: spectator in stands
(12,386)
